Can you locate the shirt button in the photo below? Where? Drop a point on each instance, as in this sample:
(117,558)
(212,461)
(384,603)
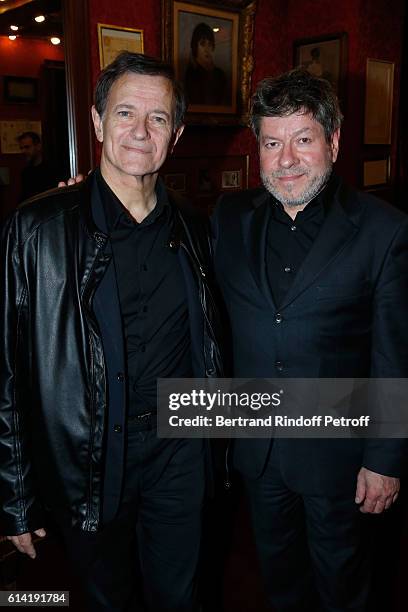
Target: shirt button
(120,377)
(144,267)
(279,366)
(278,317)
(293,228)
(287,269)
(143,348)
(144,308)
(117,428)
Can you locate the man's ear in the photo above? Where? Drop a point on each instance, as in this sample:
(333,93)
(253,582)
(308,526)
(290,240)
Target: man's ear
(334,145)
(98,125)
(175,137)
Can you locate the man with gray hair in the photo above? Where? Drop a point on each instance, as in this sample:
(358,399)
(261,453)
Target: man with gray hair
(315,280)
(106,287)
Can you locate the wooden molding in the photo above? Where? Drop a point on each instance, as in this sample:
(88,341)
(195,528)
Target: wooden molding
(79,91)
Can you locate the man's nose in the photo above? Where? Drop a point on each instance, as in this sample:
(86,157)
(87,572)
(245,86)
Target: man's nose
(139,128)
(288,156)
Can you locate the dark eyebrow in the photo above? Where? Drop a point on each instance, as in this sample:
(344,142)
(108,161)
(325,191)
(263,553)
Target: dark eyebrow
(297,133)
(133,106)
(124,106)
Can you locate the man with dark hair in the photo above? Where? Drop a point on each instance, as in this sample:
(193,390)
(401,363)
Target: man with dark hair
(205,82)
(38,175)
(314,276)
(106,288)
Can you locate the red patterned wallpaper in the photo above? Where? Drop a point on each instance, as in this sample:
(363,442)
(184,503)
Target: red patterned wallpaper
(373,29)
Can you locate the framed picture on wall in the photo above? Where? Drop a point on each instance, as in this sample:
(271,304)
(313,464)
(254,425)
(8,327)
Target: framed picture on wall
(210,46)
(376,173)
(378,102)
(114,39)
(176,182)
(325,57)
(20,90)
(231,179)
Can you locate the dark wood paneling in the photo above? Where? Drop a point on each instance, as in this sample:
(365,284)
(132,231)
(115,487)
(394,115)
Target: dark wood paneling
(79,94)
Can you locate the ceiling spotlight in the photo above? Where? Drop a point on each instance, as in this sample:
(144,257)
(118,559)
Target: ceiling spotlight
(216,30)
(12,37)
(14,28)
(55,40)
(39,18)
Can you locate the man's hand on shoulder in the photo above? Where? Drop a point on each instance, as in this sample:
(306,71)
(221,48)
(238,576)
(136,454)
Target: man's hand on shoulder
(24,542)
(375,492)
(71,181)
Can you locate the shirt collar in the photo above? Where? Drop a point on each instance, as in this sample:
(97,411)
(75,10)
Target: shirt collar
(116,214)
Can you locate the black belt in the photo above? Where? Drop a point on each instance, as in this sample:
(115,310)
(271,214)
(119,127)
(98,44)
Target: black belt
(142,422)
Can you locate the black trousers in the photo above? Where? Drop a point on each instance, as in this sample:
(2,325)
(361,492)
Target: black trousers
(313,550)
(155,536)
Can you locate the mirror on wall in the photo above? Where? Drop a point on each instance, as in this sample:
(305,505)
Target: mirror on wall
(33,99)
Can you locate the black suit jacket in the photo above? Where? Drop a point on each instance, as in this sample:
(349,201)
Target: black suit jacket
(345,316)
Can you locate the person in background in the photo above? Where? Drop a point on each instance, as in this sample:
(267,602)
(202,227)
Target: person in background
(38,175)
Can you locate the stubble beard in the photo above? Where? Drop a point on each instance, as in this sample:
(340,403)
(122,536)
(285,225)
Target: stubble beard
(312,189)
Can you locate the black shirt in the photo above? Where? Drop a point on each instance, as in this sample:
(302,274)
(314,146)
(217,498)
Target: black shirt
(152,296)
(290,240)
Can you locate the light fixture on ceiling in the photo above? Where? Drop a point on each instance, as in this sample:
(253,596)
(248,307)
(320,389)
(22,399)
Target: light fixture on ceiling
(12,37)
(216,30)
(14,28)
(39,18)
(55,40)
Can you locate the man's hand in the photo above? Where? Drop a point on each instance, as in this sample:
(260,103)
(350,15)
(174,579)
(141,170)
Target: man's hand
(24,544)
(375,492)
(71,181)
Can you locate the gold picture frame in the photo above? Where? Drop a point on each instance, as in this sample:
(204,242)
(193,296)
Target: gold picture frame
(378,102)
(376,173)
(114,39)
(217,79)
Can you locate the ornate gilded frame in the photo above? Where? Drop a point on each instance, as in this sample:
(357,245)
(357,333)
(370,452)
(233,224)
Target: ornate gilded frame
(239,14)
(112,39)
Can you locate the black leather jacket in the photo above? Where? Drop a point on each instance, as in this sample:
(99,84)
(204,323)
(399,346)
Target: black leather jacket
(54,390)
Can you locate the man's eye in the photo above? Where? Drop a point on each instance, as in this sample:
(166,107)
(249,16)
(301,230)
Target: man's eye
(158,119)
(305,140)
(271,145)
(124,113)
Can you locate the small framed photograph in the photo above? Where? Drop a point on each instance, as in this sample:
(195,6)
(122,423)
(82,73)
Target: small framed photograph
(11,130)
(379,94)
(231,179)
(376,173)
(176,182)
(210,47)
(114,39)
(20,90)
(325,57)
